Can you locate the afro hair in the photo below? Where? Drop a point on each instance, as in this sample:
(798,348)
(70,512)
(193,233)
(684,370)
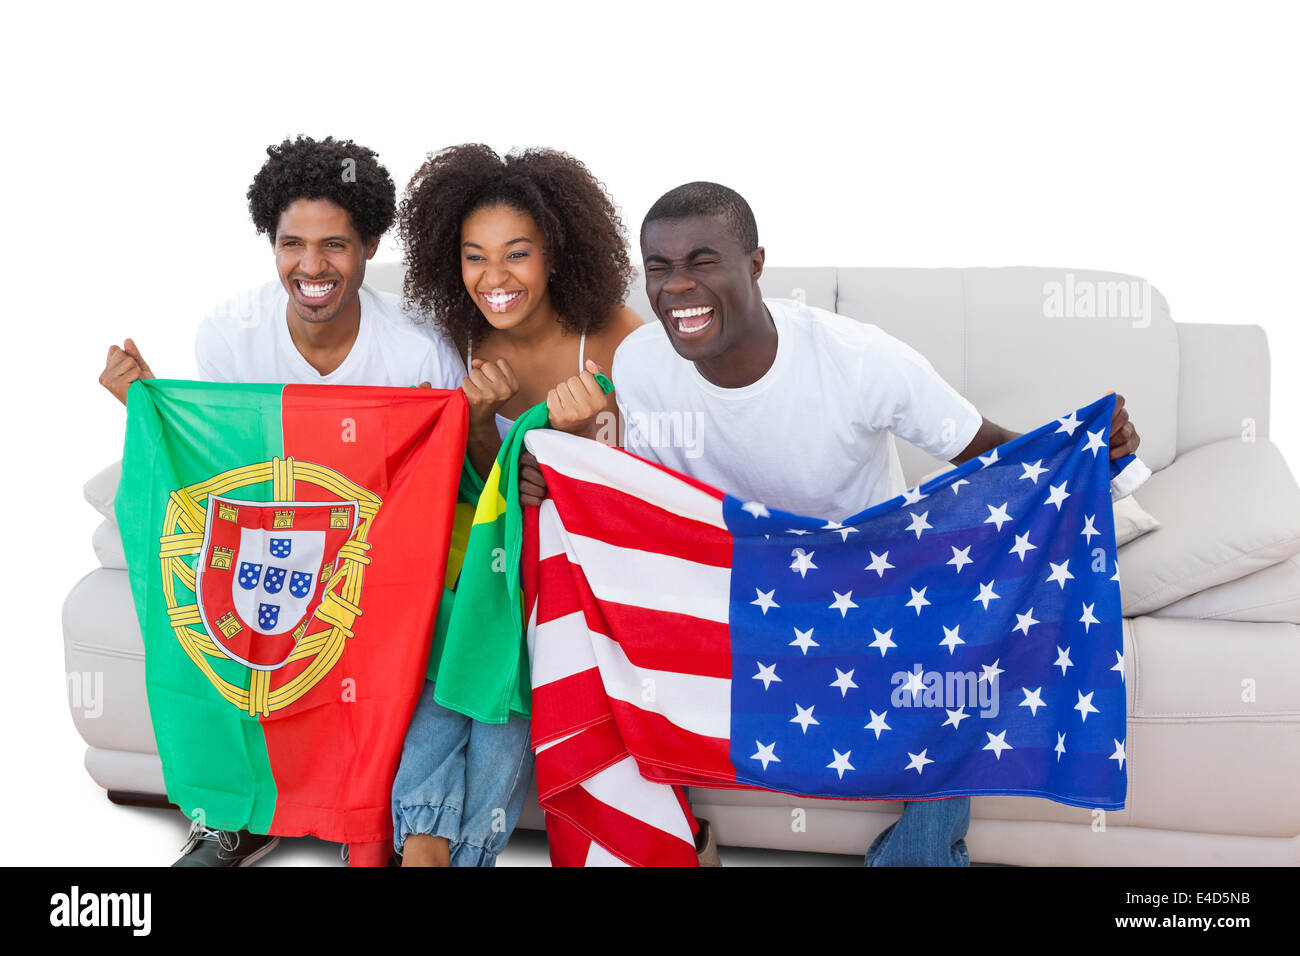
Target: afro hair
(583,236)
(346,174)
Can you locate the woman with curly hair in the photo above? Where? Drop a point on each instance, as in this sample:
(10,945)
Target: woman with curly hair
(523,262)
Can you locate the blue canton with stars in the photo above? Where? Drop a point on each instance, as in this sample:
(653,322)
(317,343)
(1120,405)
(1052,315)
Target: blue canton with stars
(963,638)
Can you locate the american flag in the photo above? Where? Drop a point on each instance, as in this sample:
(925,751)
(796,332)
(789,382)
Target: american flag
(962,638)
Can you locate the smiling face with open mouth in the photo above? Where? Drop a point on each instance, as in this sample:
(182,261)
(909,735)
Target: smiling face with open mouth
(503,265)
(703,287)
(321,259)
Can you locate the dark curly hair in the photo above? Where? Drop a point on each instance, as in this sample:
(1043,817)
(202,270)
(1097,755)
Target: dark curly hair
(584,238)
(339,170)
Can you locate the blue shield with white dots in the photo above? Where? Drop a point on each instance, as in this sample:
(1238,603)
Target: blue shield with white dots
(249,574)
(273,581)
(300,584)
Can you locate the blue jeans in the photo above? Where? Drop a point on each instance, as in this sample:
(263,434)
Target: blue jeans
(461,779)
(929,833)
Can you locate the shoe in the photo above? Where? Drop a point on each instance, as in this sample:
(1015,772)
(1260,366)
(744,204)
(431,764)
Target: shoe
(208,847)
(706,847)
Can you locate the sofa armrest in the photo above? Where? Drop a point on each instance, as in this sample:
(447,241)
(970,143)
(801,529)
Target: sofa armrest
(1223,383)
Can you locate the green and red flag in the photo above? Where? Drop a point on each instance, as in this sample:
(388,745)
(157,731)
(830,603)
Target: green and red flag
(287,548)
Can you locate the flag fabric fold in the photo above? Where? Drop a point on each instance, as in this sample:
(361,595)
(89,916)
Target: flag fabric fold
(963,638)
(286,546)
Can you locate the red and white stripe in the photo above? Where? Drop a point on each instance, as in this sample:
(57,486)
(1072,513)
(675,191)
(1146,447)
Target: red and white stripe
(617,715)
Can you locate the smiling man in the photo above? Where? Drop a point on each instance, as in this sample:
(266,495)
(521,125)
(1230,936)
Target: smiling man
(792,406)
(324,205)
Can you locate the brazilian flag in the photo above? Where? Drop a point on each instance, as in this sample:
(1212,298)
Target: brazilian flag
(479,661)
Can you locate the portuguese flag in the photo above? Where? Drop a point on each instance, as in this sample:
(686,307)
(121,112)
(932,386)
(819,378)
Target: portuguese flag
(287,549)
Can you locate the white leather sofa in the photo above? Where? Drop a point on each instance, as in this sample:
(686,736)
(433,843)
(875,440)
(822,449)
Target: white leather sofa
(1211,598)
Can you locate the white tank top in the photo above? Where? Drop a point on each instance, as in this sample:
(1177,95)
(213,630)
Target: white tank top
(505,424)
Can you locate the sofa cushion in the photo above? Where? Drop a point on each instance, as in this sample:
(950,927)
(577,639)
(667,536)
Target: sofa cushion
(1131,520)
(101,489)
(1227,509)
(107,542)
(1268,596)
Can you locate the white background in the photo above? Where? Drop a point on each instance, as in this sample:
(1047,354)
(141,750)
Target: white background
(1154,139)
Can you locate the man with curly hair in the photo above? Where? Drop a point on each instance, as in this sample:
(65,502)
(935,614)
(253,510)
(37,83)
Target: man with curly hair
(324,205)
(795,408)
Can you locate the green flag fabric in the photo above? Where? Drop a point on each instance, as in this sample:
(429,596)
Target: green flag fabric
(479,661)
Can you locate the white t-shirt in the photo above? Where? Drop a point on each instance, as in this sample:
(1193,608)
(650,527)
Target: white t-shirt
(246,339)
(813,435)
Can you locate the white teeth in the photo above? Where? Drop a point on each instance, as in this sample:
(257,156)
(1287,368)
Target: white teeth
(498,299)
(316,291)
(690,313)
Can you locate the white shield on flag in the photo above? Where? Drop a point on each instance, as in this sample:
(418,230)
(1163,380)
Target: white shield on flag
(276,576)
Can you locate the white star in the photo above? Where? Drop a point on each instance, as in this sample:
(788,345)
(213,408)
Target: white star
(1022,546)
(841,762)
(796,531)
(1032,471)
(1060,573)
(997,515)
(990,458)
(879,563)
(1119,754)
(1115,576)
(843,681)
(1119,664)
(1062,659)
(1068,425)
(1088,529)
(1033,700)
(918,599)
(837,526)
(913,495)
(961,557)
(990,672)
(756,509)
(883,641)
(877,723)
(919,523)
(1057,495)
(1024,622)
(1060,745)
(955,717)
(767,674)
(951,639)
(918,760)
(1084,706)
(804,717)
(802,562)
(765,600)
(958,483)
(842,603)
(1088,620)
(997,744)
(766,753)
(803,640)
(1095,442)
(986,594)
(914,683)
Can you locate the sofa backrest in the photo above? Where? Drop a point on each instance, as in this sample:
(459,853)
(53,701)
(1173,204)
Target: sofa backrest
(1024,344)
